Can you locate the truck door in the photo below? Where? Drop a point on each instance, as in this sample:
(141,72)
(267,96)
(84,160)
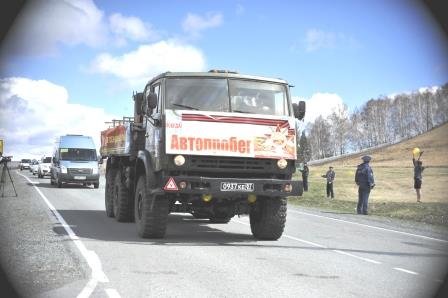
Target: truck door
(154,128)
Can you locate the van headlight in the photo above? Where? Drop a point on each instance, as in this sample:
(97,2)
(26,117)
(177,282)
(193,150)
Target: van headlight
(95,170)
(282,163)
(179,160)
(63,170)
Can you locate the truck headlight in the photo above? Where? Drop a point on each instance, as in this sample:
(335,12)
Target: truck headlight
(282,163)
(179,160)
(63,170)
(95,170)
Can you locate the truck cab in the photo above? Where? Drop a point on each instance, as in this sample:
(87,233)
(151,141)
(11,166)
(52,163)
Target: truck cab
(214,144)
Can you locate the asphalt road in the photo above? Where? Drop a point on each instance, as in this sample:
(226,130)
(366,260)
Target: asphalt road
(59,243)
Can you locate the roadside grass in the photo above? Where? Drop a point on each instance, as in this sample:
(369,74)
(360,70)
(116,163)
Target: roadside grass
(393,195)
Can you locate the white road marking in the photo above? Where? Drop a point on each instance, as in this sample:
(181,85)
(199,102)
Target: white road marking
(90,256)
(321,246)
(112,293)
(88,289)
(355,256)
(404,270)
(368,226)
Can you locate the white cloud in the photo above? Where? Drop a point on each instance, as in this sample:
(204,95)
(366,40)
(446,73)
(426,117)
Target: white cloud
(432,89)
(317,39)
(137,67)
(33,113)
(43,25)
(194,23)
(131,28)
(240,9)
(320,104)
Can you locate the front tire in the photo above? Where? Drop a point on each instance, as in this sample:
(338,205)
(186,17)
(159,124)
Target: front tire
(151,211)
(122,200)
(268,218)
(109,192)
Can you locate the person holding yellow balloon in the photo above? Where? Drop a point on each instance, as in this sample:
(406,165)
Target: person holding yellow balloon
(418,171)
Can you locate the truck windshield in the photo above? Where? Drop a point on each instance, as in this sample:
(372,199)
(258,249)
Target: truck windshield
(246,96)
(75,154)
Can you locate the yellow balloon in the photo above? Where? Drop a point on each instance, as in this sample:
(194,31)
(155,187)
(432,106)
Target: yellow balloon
(416,151)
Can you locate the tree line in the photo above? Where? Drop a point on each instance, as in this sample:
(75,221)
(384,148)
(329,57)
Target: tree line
(383,120)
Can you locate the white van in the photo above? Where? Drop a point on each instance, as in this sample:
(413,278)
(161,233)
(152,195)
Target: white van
(75,161)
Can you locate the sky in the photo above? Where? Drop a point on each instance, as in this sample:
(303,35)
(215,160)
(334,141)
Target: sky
(69,66)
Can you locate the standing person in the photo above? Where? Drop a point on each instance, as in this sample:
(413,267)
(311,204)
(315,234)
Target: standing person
(305,173)
(330,179)
(418,170)
(365,181)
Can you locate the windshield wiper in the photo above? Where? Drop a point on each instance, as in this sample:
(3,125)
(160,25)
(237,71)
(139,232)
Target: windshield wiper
(184,106)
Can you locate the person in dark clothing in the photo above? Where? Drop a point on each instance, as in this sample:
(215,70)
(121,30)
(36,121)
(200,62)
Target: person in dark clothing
(418,170)
(305,173)
(330,179)
(365,181)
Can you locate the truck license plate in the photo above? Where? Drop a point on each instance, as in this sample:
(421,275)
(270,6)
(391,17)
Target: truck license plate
(79,177)
(233,186)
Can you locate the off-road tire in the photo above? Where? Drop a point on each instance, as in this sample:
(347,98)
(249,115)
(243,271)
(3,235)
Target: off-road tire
(268,218)
(108,192)
(151,211)
(122,201)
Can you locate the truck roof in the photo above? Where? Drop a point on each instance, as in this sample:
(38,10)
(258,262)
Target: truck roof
(76,141)
(215,74)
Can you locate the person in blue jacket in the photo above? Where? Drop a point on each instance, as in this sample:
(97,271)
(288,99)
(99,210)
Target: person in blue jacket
(365,181)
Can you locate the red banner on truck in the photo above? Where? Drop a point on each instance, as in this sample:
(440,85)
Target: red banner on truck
(115,140)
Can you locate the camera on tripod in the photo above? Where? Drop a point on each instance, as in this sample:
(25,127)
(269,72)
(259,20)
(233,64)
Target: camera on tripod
(5,159)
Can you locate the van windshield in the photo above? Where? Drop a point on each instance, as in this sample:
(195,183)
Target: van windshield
(46,160)
(26,160)
(75,154)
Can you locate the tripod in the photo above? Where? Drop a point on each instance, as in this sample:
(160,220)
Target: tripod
(3,178)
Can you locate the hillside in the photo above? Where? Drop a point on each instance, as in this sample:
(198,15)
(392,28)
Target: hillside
(434,143)
(393,171)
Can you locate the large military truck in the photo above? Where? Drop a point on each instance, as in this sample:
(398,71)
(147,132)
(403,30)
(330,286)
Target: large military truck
(214,144)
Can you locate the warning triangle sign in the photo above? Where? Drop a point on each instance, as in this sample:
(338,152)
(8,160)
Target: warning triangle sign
(171,185)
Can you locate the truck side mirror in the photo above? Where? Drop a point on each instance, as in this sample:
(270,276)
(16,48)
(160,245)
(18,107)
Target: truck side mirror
(138,109)
(299,110)
(151,101)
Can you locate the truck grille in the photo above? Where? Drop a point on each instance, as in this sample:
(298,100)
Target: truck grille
(230,163)
(77,171)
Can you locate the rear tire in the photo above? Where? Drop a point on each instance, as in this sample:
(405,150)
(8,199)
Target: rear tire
(151,212)
(122,200)
(109,192)
(268,218)
(96,184)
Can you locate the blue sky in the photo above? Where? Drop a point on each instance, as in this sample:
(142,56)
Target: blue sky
(100,51)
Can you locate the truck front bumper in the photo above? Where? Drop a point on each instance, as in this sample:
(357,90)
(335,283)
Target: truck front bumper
(231,187)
